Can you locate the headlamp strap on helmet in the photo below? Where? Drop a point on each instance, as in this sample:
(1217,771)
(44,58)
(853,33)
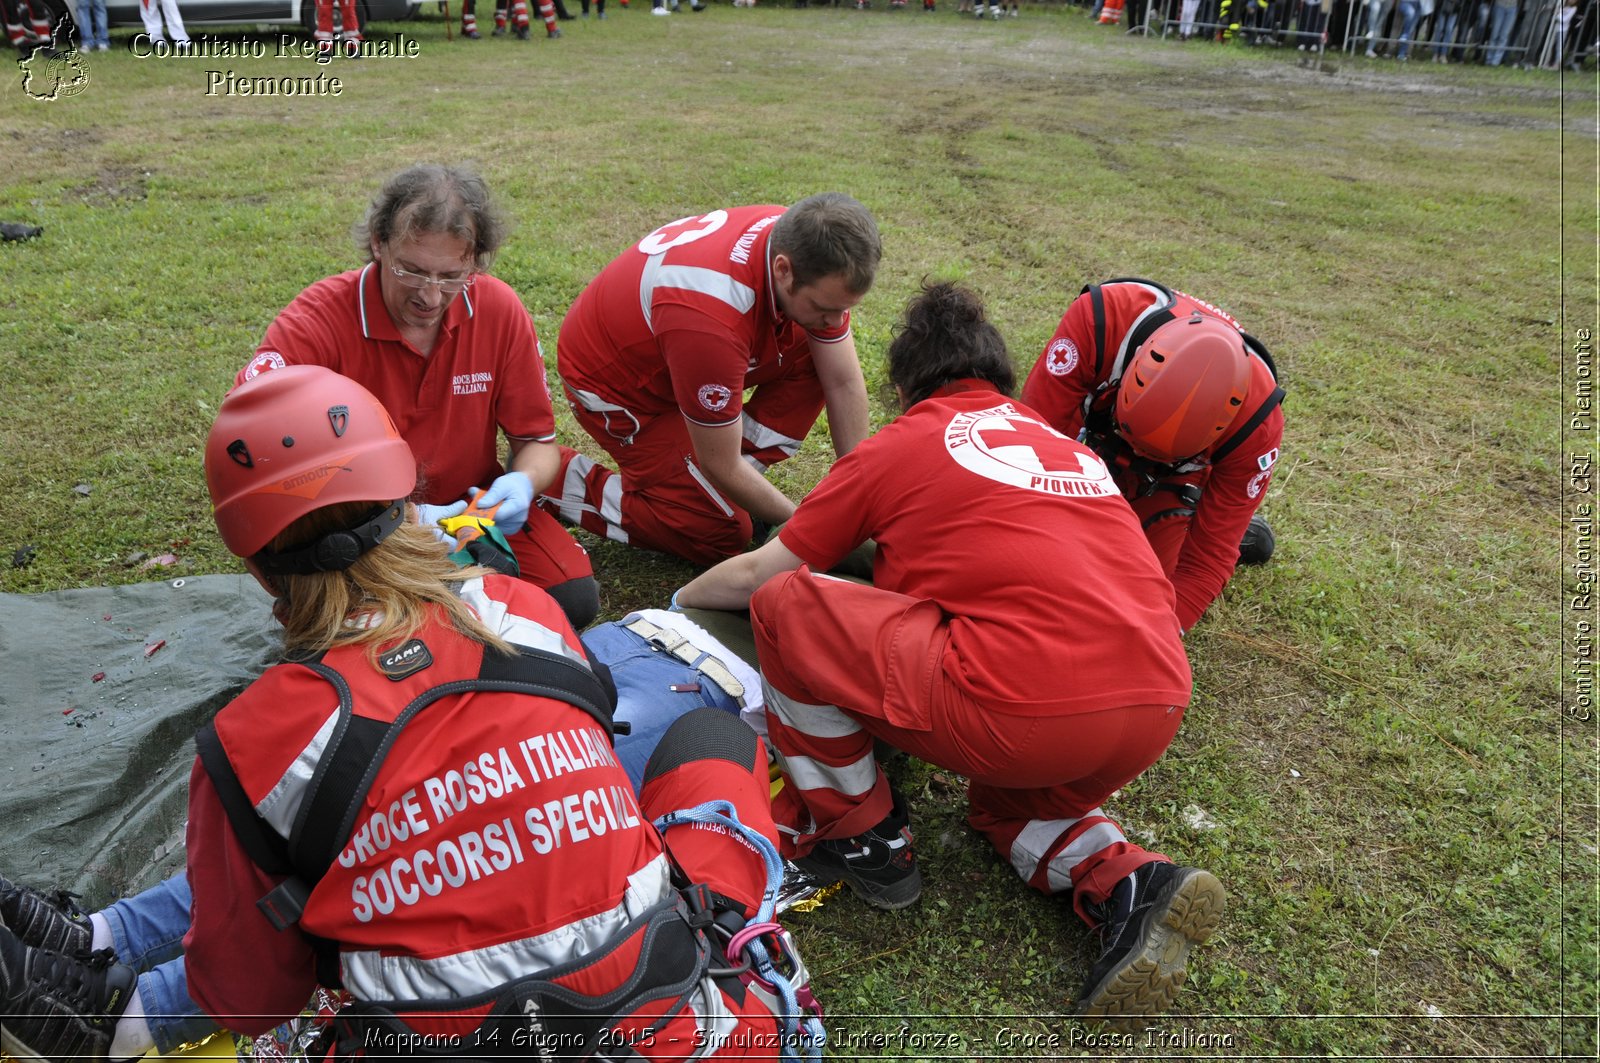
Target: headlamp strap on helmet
(337,550)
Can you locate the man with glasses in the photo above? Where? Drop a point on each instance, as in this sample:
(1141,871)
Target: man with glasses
(452,354)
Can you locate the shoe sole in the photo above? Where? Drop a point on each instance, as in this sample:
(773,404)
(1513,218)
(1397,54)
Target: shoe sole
(1148,979)
(900,894)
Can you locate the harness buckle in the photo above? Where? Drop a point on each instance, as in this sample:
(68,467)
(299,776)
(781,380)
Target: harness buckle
(284,906)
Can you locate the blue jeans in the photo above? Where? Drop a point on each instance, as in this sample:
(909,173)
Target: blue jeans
(147,931)
(93,28)
(1410,10)
(1501,19)
(1376,12)
(1443,32)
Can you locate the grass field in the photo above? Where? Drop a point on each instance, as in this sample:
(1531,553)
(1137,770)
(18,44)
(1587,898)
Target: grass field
(1377,762)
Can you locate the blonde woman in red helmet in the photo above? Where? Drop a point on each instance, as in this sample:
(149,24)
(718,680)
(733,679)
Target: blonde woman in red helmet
(421,806)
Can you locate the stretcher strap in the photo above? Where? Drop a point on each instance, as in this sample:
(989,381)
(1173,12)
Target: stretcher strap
(671,642)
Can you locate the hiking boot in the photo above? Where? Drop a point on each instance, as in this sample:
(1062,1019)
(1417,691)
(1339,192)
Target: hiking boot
(44,920)
(60,1007)
(1147,927)
(524,33)
(499,31)
(471,35)
(1258,543)
(878,866)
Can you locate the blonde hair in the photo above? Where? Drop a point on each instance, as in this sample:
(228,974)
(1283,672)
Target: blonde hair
(382,599)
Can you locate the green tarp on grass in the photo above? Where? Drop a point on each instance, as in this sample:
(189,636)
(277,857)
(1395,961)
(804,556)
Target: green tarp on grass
(94,773)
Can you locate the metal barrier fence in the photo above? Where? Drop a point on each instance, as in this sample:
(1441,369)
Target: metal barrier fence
(1529,33)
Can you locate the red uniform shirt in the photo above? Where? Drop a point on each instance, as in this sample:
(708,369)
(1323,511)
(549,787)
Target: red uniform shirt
(1066,377)
(686,319)
(500,837)
(1056,602)
(485,372)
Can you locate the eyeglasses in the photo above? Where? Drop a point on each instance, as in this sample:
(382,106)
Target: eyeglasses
(446,285)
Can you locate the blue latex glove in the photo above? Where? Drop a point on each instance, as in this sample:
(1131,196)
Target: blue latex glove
(430,516)
(675,607)
(514,492)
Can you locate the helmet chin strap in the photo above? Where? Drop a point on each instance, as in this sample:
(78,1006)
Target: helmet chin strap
(337,550)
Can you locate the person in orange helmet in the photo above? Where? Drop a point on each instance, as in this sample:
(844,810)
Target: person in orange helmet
(1185,408)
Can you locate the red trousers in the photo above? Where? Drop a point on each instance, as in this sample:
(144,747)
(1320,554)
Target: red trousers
(845,664)
(349,21)
(658,498)
(731,867)
(547,554)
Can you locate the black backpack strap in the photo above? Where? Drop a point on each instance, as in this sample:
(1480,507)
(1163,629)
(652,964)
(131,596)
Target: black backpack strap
(265,848)
(1158,314)
(552,675)
(1272,402)
(1259,349)
(1097,303)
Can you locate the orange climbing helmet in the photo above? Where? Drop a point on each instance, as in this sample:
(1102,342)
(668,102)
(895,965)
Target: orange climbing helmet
(1182,388)
(292,441)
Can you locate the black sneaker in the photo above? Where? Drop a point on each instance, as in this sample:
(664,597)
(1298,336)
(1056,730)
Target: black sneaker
(1147,927)
(60,1007)
(1258,543)
(878,866)
(44,920)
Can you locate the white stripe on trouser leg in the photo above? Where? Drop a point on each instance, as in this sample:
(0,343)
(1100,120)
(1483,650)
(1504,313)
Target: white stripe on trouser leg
(761,437)
(821,721)
(852,780)
(1040,834)
(818,721)
(574,491)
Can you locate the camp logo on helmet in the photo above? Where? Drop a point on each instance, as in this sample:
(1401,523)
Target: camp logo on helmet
(339,418)
(405,660)
(1061,357)
(714,397)
(1002,445)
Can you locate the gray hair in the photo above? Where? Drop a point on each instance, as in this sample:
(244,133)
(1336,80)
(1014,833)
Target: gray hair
(429,198)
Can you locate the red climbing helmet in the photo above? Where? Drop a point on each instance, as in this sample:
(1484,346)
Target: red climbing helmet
(292,441)
(1182,388)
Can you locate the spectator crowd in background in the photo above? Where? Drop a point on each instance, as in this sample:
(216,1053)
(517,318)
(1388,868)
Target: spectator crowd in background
(1542,34)
(1529,33)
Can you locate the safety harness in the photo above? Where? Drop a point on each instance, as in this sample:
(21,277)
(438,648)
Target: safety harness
(354,754)
(673,943)
(1099,430)
(790,983)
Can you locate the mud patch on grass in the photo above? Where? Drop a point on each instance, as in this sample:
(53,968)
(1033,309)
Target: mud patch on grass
(113,185)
